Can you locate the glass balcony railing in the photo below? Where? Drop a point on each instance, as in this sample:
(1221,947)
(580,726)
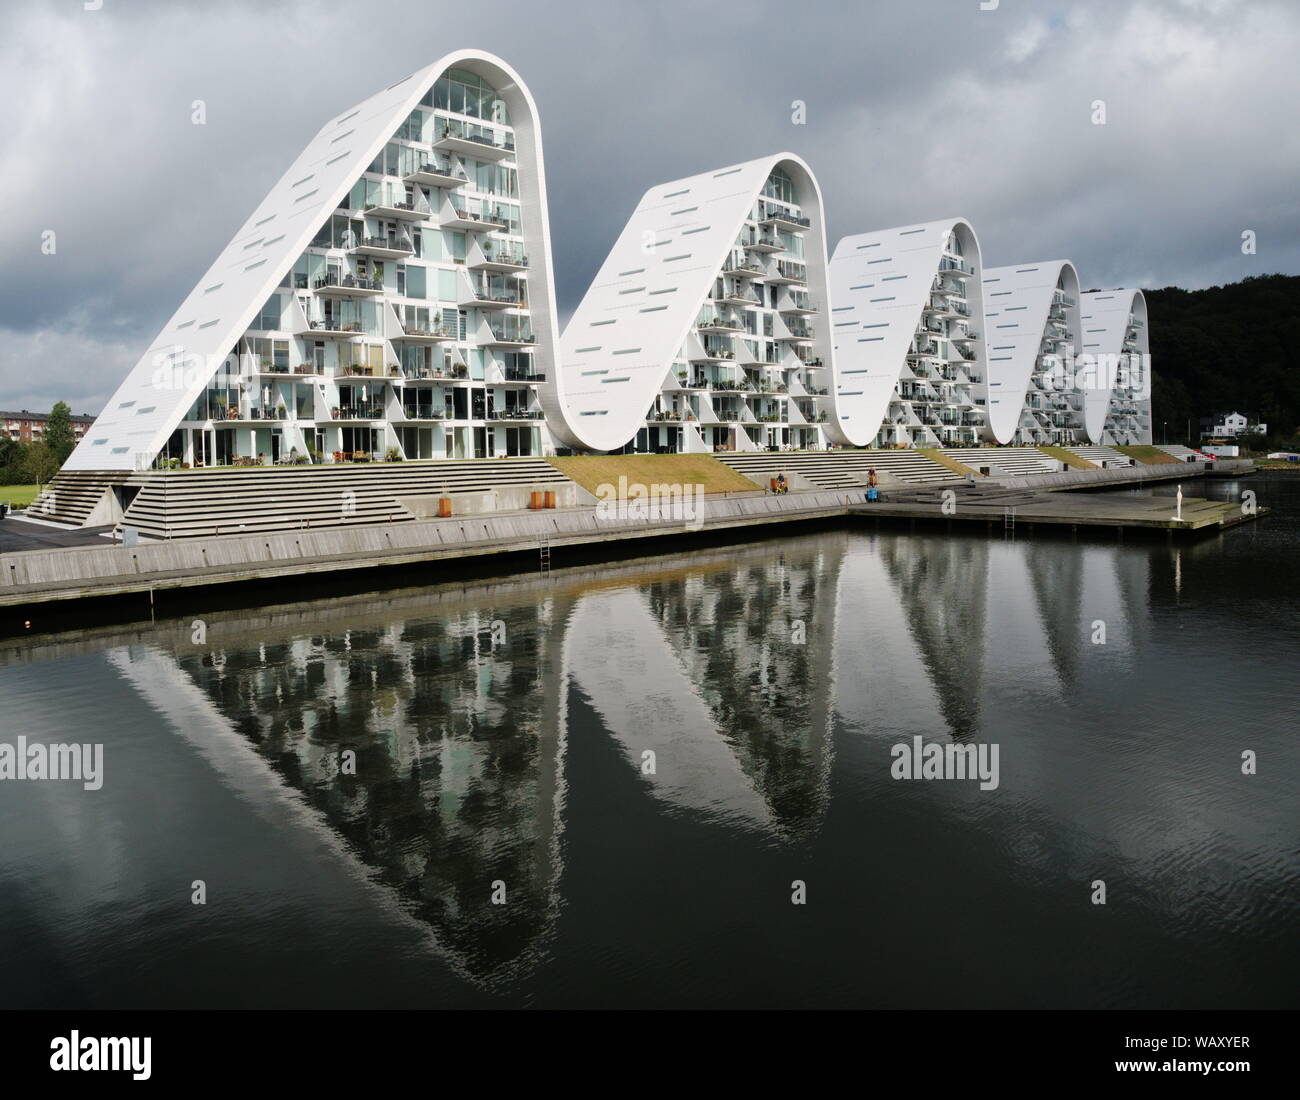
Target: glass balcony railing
(950,264)
(335,281)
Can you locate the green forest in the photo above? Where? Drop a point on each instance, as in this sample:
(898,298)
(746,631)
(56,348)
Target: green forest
(1223,349)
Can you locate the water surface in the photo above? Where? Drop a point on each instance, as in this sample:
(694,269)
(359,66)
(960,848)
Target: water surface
(500,734)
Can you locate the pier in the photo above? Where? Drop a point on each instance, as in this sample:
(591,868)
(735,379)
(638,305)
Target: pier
(1011,508)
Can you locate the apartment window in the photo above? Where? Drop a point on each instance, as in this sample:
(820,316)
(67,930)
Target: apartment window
(780,186)
(466,93)
(269,316)
(497,179)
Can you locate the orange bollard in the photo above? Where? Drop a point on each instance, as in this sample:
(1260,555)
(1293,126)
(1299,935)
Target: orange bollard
(444,507)
(550,498)
(535,499)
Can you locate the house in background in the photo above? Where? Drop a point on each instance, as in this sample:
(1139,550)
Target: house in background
(1229,426)
(24,426)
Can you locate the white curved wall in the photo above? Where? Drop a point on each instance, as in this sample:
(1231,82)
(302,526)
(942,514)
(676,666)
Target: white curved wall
(879,285)
(171,374)
(621,341)
(1105,315)
(1016,304)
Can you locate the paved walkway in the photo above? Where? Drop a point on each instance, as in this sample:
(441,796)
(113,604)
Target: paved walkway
(17,535)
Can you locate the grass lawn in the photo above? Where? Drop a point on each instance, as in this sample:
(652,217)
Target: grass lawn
(18,496)
(936,455)
(592,471)
(1148,456)
(1071,460)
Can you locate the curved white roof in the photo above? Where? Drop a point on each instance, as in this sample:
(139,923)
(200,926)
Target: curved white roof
(1016,303)
(623,337)
(1105,315)
(879,285)
(172,373)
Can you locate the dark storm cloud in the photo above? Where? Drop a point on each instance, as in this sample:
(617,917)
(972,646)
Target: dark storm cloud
(914,111)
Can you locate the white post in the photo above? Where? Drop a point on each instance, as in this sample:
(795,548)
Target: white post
(1179,514)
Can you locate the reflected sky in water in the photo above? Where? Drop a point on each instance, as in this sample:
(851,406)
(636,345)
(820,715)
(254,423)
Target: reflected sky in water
(501,734)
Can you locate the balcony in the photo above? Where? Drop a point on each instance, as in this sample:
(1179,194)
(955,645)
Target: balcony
(502,260)
(766,244)
(801,307)
(484,298)
(475,146)
(471,222)
(459,372)
(266,366)
(784,219)
(346,286)
(714,355)
(721,323)
(509,338)
(517,414)
(737,297)
(422,412)
(332,327)
(788,273)
(363,371)
(799,332)
(398,211)
(948,263)
(438,174)
(423,334)
(742,267)
(387,248)
(357,412)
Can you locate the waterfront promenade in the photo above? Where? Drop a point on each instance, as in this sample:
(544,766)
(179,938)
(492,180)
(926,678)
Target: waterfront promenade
(535,540)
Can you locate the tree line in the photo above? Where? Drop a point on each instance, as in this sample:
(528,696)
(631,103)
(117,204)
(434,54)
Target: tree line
(1225,349)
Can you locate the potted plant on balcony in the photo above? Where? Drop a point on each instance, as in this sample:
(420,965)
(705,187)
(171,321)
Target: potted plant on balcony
(392,455)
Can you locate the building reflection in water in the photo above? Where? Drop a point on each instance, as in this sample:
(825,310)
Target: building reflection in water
(726,673)
(733,667)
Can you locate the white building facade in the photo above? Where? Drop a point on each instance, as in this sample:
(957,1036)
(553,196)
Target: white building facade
(705,329)
(1117,406)
(392,296)
(1032,325)
(907,316)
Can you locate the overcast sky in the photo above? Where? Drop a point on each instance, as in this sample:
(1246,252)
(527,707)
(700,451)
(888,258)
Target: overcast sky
(915,110)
